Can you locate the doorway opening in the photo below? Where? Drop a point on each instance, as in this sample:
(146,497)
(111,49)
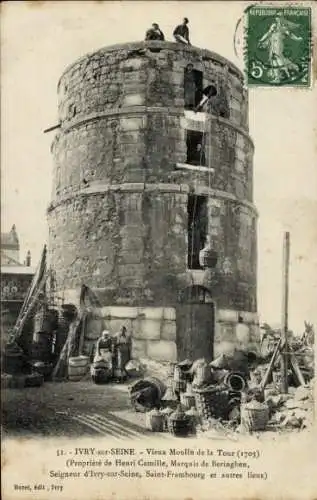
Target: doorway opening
(195,324)
(193,87)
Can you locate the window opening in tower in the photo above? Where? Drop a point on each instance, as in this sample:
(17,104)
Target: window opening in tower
(193,87)
(195,148)
(197,228)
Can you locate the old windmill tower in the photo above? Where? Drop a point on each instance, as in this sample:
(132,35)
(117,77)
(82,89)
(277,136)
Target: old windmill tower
(143,183)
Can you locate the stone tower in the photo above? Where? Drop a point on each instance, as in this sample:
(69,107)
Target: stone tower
(142,183)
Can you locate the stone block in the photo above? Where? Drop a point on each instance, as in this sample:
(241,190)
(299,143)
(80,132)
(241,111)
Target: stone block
(239,165)
(240,154)
(223,348)
(133,64)
(133,100)
(147,329)
(227,315)
(240,141)
(116,312)
(71,296)
(168,331)
(139,348)
(234,104)
(134,123)
(250,317)
(228,332)
(115,325)
(93,328)
(131,256)
(128,271)
(151,312)
(178,77)
(197,277)
(162,350)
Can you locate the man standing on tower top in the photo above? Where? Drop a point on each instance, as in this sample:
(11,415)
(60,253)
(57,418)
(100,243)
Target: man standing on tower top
(181,32)
(154,33)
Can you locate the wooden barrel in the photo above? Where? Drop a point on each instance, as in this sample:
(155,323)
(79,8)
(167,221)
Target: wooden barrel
(146,393)
(42,347)
(77,368)
(59,341)
(43,368)
(63,321)
(12,362)
(34,380)
(68,311)
(54,318)
(42,321)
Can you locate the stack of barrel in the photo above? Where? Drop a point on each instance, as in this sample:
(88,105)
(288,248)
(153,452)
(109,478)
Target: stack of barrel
(66,314)
(45,326)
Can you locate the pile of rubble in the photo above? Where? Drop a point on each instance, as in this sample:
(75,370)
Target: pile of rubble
(293,410)
(222,398)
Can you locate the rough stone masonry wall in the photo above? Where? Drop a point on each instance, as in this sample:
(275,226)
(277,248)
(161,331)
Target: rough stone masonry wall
(129,241)
(118,217)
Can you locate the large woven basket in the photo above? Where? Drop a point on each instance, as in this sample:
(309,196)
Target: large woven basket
(211,402)
(179,386)
(187,400)
(180,427)
(254,416)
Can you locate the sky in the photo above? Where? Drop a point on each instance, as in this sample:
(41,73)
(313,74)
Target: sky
(38,41)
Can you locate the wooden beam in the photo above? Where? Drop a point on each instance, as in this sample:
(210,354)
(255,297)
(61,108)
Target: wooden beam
(50,129)
(284,330)
(271,365)
(187,166)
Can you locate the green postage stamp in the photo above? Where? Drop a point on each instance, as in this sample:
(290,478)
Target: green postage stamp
(278,46)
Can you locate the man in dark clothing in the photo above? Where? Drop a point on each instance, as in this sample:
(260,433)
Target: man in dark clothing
(181,32)
(154,33)
(189,87)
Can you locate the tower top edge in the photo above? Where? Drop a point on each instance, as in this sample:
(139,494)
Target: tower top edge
(169,46)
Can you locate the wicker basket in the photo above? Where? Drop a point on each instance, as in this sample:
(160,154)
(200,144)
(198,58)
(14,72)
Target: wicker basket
(180,427)
(187,400)
(179,424)
(211,402)
(254,416)
(179,386)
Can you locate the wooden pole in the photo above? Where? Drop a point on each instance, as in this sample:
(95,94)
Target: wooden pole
(284,330)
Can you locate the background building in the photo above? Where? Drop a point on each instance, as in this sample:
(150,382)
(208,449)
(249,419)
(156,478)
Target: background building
(142,184)
(15,278)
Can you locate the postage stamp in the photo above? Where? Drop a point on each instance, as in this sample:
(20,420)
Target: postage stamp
(278,46)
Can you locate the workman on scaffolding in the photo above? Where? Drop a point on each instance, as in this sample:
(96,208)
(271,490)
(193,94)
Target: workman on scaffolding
(154,33)
(199,156)
(181,32)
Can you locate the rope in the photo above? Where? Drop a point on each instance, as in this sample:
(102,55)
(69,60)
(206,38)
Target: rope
(203,144)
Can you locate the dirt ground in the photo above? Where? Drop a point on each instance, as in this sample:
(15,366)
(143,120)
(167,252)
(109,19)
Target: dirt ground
(71,409)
